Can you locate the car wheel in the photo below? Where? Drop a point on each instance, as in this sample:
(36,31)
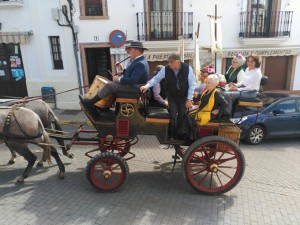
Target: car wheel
(255,135)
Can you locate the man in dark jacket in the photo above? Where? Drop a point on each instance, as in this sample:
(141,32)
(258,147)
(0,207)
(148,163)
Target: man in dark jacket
(180,81)
(136,73)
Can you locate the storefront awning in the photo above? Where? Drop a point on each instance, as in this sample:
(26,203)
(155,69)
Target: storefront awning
(15,37)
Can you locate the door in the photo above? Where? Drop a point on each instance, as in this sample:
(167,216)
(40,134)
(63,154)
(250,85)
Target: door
(12,74)
(276,68)
(260,17)
(282,119)
(162,19)
(98,63)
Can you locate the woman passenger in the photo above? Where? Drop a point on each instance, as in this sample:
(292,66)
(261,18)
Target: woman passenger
(210,101)
(235,72)
(248,87)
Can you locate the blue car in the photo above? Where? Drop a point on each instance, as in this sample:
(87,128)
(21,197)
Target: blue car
(278,118)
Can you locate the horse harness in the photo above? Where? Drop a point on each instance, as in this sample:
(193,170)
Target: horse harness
(6,134)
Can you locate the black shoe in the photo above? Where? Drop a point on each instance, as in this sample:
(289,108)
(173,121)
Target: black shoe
(172,141)
(89,101)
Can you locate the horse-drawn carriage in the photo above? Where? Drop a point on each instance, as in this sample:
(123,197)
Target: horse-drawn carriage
(212,164)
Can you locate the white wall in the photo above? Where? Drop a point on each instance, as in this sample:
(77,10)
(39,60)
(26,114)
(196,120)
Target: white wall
(36,15)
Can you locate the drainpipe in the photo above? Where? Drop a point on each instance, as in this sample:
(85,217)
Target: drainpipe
(74,29)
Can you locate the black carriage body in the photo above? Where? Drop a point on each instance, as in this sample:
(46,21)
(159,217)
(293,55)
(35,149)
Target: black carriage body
(130,116)
(211,165)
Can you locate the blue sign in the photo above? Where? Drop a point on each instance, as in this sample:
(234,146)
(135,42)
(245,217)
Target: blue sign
(117,38)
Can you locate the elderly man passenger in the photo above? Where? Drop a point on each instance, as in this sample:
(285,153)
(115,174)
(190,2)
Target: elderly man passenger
(180,81)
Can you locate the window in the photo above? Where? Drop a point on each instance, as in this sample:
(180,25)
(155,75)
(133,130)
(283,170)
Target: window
(56,53)
(93,9)
(287,106)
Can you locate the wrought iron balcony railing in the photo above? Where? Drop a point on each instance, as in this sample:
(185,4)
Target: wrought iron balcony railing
(259,24)
(164,25)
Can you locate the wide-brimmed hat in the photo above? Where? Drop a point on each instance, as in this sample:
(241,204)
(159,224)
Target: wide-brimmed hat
(135,44)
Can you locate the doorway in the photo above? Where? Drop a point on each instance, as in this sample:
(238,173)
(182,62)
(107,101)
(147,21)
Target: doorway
(276,68)
(12,74)
(98,62)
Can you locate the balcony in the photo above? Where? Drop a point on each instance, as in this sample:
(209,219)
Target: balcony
(11,3)
(266,24)
(164,25)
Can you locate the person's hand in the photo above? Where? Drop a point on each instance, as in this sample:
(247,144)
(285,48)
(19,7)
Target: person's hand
(188,104)
(116,78)
(119,66)
(166,104)
(143,89)
(195,95)
(215,112)
(233,88)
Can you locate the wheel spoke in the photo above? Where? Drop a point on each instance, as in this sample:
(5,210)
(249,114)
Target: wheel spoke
(225,174)
(219,179)
(211,179)
(194,174)
(203,178)
(226,160)
(228,167)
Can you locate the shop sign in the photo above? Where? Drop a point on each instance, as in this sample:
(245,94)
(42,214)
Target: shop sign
(164,56)
(262,52)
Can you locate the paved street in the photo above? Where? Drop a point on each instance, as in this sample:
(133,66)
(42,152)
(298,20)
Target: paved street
(269,192)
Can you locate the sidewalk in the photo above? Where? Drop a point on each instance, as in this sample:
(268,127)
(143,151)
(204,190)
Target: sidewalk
(69,116)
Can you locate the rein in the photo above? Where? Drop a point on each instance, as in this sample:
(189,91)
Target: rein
(26,99)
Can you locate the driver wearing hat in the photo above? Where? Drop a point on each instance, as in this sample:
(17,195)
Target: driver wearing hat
(137,72)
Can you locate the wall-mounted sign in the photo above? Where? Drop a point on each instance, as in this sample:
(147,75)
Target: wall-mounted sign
(164,56)
(117,38)
(262,52)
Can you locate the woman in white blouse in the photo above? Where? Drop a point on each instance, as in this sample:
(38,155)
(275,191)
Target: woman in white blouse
(249,86)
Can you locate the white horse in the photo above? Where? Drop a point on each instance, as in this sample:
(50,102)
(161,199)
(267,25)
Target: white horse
(48,118)
(18,128)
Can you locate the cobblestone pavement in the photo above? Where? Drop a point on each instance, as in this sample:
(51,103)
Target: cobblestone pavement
(269,192)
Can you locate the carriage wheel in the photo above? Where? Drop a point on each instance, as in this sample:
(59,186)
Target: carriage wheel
(107,171)
(213,165)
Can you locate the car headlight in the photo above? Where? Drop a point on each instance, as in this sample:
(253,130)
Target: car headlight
(238,120)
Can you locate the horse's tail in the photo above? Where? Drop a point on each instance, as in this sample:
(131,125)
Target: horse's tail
(47,146)
(58,127)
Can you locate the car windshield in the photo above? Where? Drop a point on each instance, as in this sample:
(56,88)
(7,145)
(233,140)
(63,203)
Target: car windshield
(268,101)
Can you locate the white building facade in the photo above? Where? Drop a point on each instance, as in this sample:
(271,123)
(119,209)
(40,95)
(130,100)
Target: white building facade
(42,48)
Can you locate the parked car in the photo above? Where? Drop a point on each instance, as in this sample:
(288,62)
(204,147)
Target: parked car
(278,118)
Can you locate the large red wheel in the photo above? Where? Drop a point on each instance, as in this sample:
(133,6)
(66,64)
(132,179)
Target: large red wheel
(213,165)
(107,171)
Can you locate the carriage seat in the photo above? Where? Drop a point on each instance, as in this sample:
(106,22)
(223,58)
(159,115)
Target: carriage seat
(129,92)
(157,115)
(254,102)
(157,112)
